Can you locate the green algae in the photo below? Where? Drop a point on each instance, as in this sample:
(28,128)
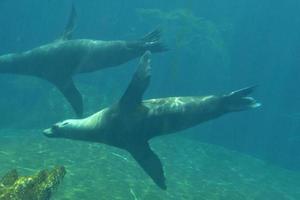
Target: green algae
(189,28)
(205,40)
(39,186)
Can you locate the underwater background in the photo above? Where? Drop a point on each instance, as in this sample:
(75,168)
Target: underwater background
(216,47)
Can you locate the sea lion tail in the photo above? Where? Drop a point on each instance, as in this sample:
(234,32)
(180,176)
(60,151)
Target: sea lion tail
(239,100)
(152,41)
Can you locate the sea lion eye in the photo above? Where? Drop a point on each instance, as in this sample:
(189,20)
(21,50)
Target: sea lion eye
(65,123)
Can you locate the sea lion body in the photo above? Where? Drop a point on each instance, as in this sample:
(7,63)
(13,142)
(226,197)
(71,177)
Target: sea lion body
(68,58)
(59,61)
(154,117)
(131,123)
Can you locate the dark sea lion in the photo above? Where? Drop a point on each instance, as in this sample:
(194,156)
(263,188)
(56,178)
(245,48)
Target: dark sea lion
(58,61)
(131,123)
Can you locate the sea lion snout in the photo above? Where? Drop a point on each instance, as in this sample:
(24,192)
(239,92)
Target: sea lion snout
(51,132)
(48,132)
(59,129)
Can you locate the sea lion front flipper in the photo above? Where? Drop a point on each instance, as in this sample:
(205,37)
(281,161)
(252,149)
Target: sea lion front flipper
(138,84)
(71,93)
(68,32)
(150,163)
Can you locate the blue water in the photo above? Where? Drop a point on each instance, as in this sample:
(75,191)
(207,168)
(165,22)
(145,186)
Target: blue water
(216,47)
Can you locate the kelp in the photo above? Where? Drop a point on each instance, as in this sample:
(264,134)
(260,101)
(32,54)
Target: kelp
(189,30)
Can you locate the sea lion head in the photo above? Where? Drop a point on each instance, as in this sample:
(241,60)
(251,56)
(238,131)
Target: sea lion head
(62,129)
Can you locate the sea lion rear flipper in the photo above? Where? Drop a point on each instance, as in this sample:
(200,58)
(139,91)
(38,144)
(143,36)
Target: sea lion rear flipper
(151,42)
(72,94)
(67,34)
(239,100)
(150,163)
(139,83)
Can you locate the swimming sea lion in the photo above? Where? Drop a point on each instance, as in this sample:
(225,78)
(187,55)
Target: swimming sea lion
(58,61)
(131,123)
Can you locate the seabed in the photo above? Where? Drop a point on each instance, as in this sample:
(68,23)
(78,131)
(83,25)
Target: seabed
(194,170)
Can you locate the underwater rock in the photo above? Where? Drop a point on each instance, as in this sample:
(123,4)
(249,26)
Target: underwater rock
(36,187)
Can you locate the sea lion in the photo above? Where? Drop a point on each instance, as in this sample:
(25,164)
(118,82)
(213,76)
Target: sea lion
(60,60)
(130,123)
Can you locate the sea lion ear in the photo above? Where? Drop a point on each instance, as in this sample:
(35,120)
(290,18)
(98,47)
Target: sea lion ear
(138,84)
